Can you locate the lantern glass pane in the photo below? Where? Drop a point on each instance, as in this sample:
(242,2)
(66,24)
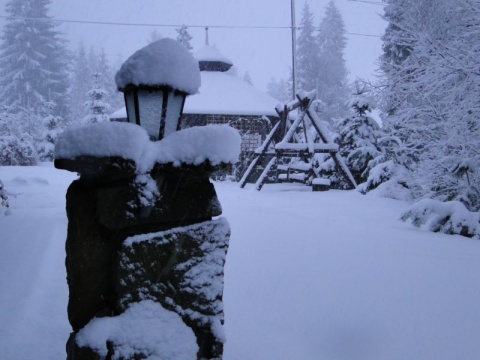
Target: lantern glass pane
(150,104)
(174,108)
(130,103)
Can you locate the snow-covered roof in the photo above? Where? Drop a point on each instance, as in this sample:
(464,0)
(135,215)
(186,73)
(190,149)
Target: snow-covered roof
(224,94)
(211,53)
(163,62)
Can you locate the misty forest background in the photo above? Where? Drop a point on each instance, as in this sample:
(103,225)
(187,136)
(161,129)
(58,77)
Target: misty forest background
(424,148)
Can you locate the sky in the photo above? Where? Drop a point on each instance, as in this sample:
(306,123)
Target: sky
(263,53)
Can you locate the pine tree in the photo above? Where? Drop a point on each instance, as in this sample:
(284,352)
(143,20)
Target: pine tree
(51,129)
(81,83)
(247,78)
(280,90)
(184,37)
(33,59)
(154,36)
(97,107)
(307,52)
(358,138)
(332,77)
(432,91)
(106,76)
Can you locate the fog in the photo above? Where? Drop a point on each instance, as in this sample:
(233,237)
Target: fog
(263,52)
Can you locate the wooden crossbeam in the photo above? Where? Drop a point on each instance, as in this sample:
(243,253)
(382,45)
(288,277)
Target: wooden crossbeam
(283,135)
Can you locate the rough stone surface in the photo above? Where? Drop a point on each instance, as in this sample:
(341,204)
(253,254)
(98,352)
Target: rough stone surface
(180,265)
(182,269)
(183,200)
(105,169)
(90,251)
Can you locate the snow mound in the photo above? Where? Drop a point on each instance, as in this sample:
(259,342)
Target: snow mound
(193,146)
(144,328)
(450,217)
(124,140)
(215,143)
(164,62)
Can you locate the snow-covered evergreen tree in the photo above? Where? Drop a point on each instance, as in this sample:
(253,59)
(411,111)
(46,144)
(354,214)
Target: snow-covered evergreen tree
(33,59)
(247,78)
(81,83)
(357,138)
(184,37)
(4,198)
(51,126)
(280,90)
(154,36)
(106,74)
(432,87)
(332,82)
(97,106)
(307,52)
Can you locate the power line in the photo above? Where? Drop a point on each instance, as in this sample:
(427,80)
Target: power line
(369,2)
(142,24)
(164,25)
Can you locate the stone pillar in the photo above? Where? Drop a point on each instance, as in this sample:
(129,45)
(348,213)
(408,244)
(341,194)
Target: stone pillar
(136,237)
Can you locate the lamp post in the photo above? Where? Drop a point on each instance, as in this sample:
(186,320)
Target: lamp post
(155,83)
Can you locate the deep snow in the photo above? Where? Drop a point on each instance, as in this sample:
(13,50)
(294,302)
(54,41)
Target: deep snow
(326,275)
(164,62)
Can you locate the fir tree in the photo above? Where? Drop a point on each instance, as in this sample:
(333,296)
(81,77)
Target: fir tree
(184,37)
(33,59)
(307,52)
(106,76)
(81,83)
(247,78)
(357,140)
(51,129)
(280,90)
(332,76)
(97,107)
(154,36)
(431,95)
(358,137)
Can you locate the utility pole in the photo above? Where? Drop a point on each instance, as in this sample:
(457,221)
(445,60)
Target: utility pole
(294,51)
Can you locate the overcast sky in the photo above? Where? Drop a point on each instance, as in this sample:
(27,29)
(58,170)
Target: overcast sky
(264,53)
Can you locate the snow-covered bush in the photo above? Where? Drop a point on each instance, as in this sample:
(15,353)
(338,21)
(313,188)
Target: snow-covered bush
(389,180)
(17,134)
(4,198)
(450,217)
(17,151)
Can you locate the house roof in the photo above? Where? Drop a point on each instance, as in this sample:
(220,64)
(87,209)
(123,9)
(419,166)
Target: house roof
(223,93)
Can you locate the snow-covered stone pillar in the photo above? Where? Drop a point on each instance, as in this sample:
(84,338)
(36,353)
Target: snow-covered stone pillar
(145,246)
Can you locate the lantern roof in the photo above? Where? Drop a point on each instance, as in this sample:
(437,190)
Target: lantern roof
(165,62)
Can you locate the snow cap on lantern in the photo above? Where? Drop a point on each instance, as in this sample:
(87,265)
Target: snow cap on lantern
(155,81)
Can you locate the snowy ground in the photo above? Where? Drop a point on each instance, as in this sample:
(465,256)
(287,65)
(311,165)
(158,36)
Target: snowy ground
(331,276)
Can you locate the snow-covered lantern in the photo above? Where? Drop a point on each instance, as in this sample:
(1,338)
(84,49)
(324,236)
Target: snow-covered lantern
(155,81)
